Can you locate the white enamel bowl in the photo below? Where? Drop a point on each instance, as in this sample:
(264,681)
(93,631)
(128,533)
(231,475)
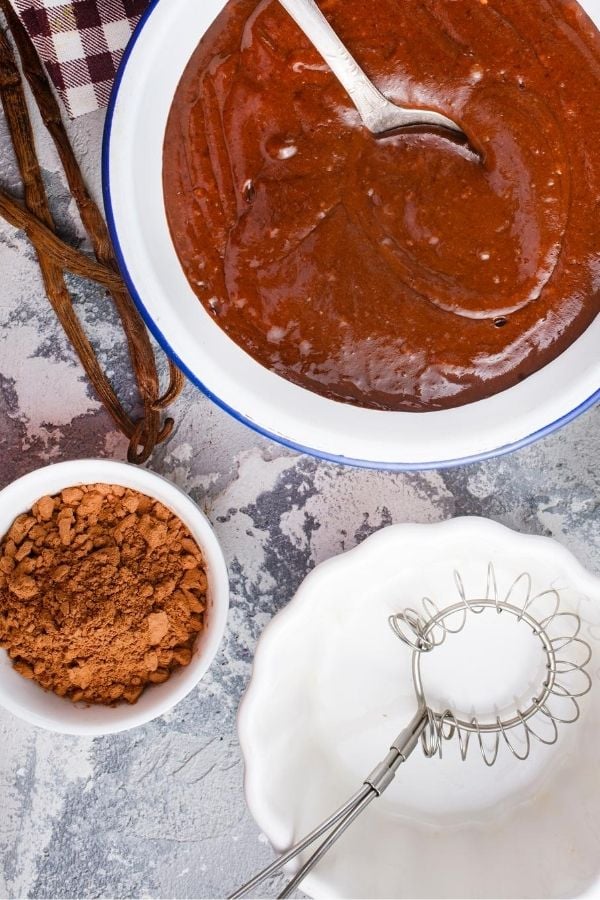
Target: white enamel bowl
(135,208)
(25,698)
(331,688)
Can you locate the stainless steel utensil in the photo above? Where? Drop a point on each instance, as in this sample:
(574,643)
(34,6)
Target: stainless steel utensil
(565,682)
(378,113)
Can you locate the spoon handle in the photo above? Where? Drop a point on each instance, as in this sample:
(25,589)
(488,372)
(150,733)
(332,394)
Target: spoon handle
(370,103)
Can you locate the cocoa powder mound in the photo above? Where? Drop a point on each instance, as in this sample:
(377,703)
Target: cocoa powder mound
(102,592)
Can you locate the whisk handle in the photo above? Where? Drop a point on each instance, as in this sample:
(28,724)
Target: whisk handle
(329,841)
(294,851)
(374,786)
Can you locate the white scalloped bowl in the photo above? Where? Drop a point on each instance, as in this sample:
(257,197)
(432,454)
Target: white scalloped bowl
(133,193)
(30,702)
(332,687)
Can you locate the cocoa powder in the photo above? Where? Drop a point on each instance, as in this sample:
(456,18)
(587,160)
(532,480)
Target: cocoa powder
(102,592)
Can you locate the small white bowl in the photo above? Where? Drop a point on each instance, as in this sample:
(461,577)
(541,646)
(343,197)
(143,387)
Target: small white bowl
(332,686)
(33,704)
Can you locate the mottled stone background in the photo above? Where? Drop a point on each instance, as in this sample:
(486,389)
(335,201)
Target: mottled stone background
(160,811)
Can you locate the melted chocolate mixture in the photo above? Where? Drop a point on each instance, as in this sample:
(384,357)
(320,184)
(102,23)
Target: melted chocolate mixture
(405,273)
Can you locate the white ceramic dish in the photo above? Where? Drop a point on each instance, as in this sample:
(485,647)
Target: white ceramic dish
(25,698)
(135,129)
(332,687)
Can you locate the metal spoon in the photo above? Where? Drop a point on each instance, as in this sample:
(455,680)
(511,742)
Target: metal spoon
(378,113)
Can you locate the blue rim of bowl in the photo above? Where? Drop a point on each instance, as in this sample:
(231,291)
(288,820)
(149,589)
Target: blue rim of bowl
(236,414)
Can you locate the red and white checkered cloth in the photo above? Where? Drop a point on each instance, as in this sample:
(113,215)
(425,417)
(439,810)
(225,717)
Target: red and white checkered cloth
(81,42)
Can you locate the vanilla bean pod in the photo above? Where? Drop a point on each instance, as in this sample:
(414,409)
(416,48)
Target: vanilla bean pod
(36,220)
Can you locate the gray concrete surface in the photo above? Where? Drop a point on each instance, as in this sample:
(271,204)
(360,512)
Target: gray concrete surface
(159,811)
